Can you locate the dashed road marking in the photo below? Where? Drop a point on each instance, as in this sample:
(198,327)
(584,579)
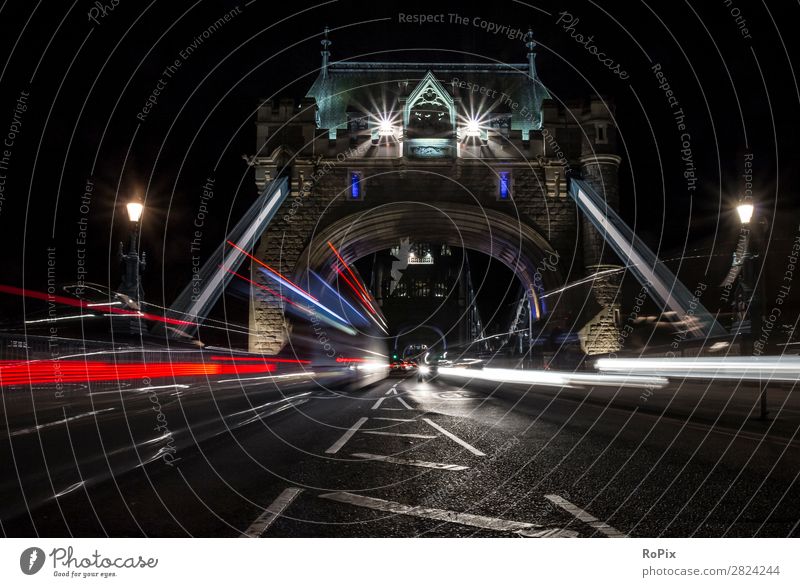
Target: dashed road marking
(394,419)
(392,391)
(346,436)
(476,521)
(275,509)
(378,403)
(402,434)
(402,401)
(410,462)
(393,409)
(455,438)
(586,517)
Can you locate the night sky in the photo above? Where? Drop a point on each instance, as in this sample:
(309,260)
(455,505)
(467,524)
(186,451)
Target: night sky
(82,83)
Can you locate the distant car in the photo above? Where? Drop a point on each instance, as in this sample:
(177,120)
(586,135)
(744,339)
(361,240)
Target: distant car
(400,368)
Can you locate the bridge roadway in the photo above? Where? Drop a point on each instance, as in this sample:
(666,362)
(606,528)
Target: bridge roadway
(409,458)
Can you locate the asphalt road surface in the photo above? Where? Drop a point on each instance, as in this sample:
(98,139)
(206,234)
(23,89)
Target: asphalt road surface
(445,458)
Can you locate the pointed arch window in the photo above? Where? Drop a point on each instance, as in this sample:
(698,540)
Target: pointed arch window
(429,111)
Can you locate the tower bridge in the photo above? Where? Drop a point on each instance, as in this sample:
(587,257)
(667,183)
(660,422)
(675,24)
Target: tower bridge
(378,152)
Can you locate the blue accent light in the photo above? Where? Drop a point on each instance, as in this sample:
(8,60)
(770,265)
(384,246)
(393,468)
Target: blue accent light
(505,184)
(355,186)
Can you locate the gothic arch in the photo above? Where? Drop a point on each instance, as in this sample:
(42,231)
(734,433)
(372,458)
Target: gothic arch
(518,246)
(431,95)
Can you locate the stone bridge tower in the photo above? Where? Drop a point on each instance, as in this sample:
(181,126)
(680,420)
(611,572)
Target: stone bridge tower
(473,155)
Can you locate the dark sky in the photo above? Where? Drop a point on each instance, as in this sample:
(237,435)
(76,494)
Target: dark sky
(86,81)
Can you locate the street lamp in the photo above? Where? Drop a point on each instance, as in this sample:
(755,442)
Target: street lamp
(745,212)
(135,209)
(131,285)
(749,298)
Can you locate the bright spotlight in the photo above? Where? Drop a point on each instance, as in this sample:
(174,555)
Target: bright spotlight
(424,370)
(473,128)
(385,127)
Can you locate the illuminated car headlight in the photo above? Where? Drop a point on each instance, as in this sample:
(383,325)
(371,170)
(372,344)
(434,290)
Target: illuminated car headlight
(424,369)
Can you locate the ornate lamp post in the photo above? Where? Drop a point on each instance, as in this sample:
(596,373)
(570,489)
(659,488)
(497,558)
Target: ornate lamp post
(749,301)
(131,284)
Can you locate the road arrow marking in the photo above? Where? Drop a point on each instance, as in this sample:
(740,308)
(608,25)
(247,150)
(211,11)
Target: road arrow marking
(484,522)
(410,462)
(402,434)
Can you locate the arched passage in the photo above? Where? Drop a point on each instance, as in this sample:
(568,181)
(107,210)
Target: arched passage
(516,244)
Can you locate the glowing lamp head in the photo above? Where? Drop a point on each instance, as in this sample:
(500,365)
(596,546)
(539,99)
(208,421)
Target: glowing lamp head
(385,127)
(135,209)
(473,128)
(424,370)
(745,212)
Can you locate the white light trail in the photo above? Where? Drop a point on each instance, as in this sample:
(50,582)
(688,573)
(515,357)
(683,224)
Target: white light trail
(776,368)
(76,316)
(553,378)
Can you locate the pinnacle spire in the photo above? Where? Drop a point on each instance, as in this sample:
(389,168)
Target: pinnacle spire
(326,43)
(531,45)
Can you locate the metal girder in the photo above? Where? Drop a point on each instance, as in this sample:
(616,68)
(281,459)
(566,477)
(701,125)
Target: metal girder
(659,282)
(194,303)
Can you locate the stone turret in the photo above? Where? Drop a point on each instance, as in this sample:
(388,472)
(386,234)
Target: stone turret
(599,166)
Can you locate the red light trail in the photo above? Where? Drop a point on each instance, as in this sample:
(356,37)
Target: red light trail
(55,372)
(262,359)
(37,295)
(350,271)
(271,270)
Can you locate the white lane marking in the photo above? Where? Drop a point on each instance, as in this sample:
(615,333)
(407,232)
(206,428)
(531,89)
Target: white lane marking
(455,438)
(485,522)
(346,436)
(410,462)
(378,403)
(393,409)
(275,509)
(586,517)
(402,401)
(393,419)
(381,433)
(392,391)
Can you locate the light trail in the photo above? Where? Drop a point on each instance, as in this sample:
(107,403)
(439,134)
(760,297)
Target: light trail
(375,316)
(349,305)
(553,378)
(261,359)
(269,290)
(59,318)
(350,271)
(355,290)
(36,295)
(775,368)
(272,271)
(62,372)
